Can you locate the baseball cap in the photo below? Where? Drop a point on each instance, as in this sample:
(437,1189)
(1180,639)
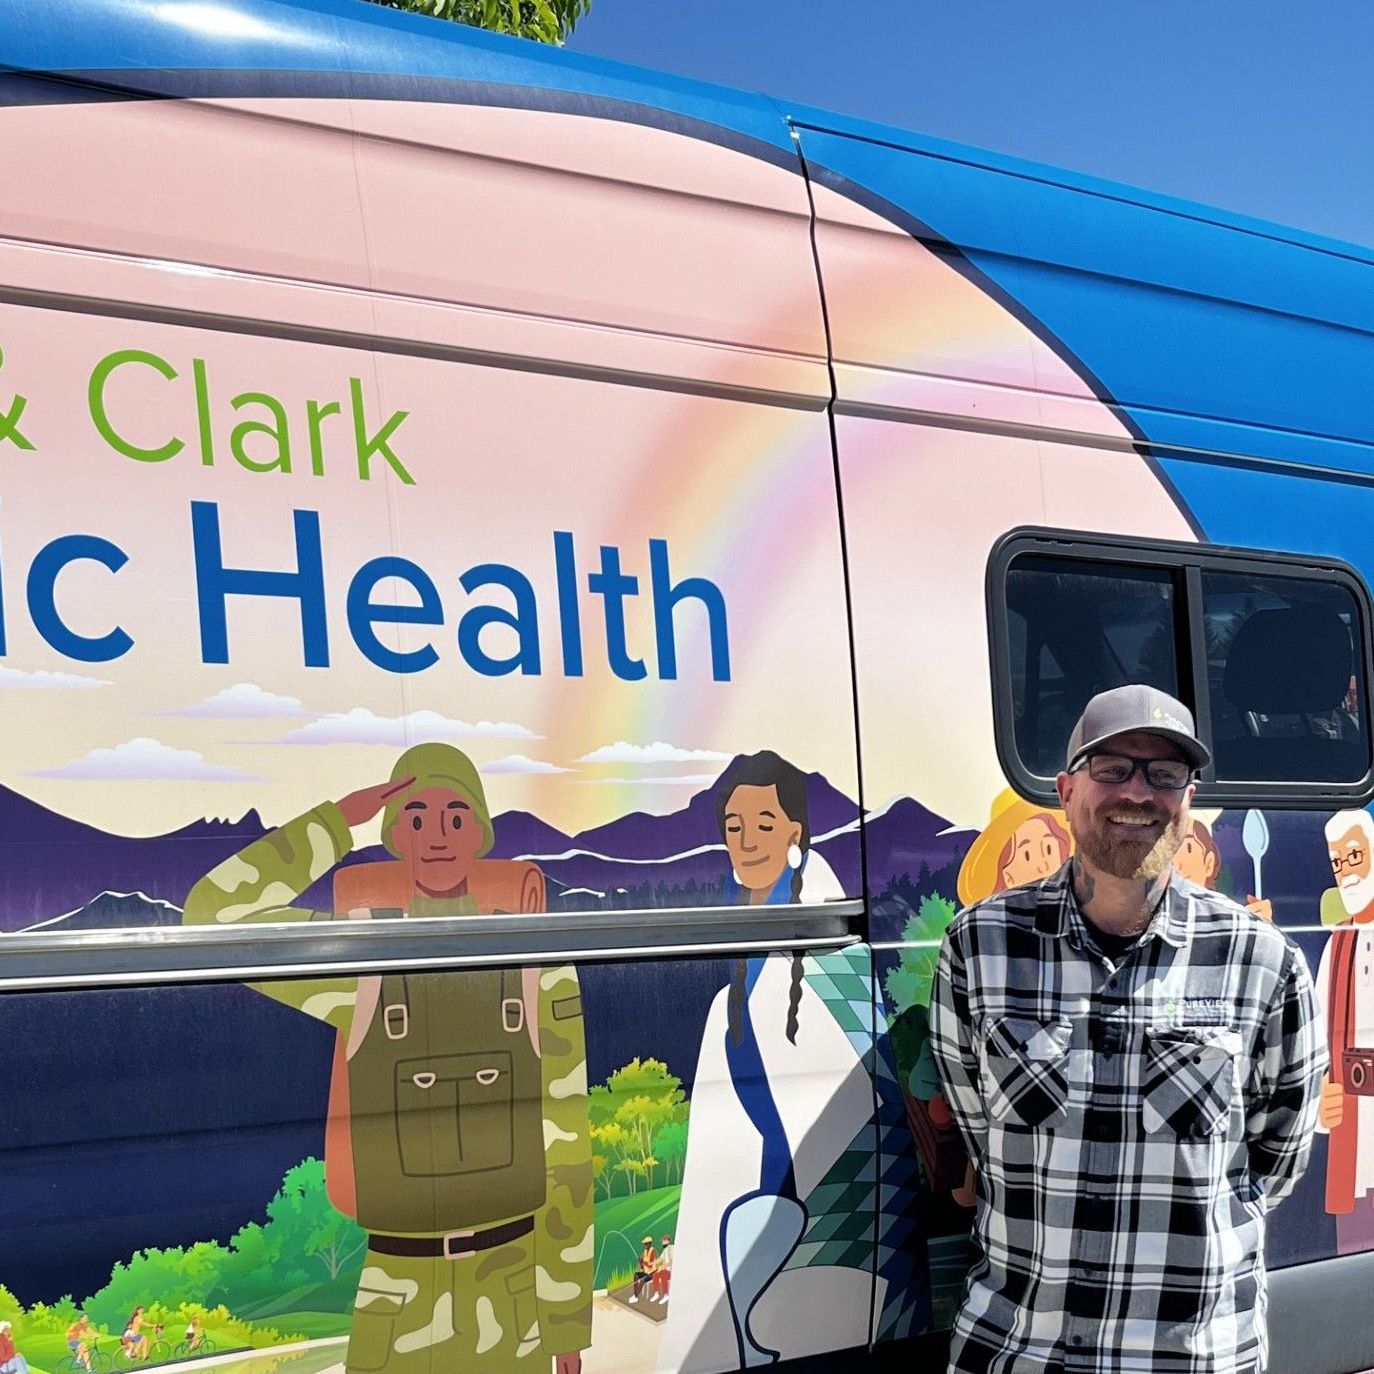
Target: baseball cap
(1132,709)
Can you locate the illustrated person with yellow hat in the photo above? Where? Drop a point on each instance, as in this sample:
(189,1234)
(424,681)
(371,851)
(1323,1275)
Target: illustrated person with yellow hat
(467,1146)
(1023,842)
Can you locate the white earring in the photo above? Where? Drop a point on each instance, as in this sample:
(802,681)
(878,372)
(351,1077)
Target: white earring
(739,882)
(794,856)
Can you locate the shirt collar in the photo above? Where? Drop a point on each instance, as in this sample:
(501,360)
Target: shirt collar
(1057,913)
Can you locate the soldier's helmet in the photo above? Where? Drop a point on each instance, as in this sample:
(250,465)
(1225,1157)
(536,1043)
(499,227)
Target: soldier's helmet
(438,765)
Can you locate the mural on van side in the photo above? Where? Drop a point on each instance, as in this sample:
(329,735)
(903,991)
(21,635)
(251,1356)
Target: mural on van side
(686,1256)
(595,1221)
(278,566)
(1199,860)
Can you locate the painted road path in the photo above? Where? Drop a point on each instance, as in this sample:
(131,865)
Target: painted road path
(621,1340)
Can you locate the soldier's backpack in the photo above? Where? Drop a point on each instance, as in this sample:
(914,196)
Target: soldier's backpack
(436,1116)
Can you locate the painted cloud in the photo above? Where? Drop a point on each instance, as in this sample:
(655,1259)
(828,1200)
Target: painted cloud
(361,726)
(145,759)
(18,677)
(681,780)
(658,752)
(519,763)
(244,701)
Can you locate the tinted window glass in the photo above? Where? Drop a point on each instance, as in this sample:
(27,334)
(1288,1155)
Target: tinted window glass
(1075,629)
(1284,679)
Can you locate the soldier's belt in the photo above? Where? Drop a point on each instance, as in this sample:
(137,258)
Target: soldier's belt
(453,1245)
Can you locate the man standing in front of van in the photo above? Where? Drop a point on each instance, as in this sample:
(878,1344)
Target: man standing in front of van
(1135,1063)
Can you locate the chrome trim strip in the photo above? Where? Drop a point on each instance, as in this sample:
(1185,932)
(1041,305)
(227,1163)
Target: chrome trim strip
(128,957)
(258,973)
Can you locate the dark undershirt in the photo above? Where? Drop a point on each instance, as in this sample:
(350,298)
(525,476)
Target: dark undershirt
(1113,946)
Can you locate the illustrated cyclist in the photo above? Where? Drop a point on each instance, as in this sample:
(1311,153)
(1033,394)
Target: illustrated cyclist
(134,1341)
(76,1340)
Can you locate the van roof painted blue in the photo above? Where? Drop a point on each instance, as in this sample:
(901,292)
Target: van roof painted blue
(356,37)
(1212,333)
(135,42)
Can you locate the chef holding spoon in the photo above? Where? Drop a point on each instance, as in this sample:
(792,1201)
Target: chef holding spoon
(1199,860)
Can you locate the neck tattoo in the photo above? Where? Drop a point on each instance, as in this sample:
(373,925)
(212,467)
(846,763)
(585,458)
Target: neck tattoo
(1084,885)
(1151,893)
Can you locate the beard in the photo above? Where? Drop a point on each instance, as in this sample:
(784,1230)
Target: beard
(1357,894)
(1119,853)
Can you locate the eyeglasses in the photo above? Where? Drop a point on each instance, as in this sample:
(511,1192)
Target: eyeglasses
(1353,857)
(1116,770)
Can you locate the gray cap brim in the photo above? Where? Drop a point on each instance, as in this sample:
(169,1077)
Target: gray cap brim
(1194,750)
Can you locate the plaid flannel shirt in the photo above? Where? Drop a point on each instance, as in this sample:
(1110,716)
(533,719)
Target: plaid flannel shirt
(1129,1128)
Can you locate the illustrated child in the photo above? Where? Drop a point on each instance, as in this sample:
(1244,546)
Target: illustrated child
(134,1341)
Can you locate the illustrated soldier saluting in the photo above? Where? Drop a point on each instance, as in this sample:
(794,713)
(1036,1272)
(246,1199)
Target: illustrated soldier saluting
(459,1135)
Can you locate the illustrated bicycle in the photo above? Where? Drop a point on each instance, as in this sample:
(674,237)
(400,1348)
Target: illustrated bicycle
(71,1364)
(183,1349)
(159,1352)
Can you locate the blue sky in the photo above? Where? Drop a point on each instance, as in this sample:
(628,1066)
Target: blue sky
(1261,106)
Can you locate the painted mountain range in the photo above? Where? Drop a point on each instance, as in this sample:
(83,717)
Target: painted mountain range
(63,874)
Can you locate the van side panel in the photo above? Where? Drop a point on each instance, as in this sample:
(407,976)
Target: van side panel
(410,523)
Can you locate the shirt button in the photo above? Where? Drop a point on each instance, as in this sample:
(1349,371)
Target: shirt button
(1077,1340)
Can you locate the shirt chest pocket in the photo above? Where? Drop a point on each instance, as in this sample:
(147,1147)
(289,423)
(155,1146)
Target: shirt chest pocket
(1189,1080)
(1026,1065)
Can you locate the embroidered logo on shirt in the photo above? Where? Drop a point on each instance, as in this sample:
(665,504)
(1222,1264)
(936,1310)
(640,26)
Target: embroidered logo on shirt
(1197,1011)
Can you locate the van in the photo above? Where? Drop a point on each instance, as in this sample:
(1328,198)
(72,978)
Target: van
(530,592)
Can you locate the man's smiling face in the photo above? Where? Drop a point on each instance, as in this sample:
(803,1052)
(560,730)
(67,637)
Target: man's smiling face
(438,836)
(1130,829)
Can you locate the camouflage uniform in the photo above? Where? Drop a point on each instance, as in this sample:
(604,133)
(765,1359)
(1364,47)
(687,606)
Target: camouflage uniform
(505,1308)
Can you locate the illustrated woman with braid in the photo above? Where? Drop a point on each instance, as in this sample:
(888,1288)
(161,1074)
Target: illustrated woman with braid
(782,1076)
(763,815)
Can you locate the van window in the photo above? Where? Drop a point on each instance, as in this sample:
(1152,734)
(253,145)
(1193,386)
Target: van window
(1283,679)
(1270,652)
(1077,629)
